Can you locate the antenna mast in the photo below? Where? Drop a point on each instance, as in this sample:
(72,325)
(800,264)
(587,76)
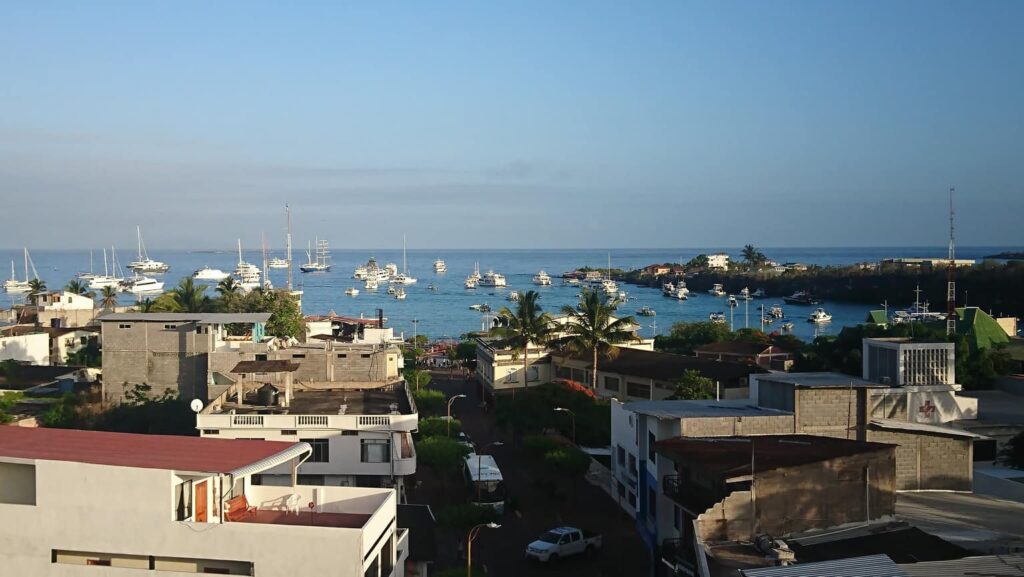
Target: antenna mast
(951,278)
(289,245)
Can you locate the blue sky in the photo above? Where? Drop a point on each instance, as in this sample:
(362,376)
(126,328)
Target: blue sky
(512,124)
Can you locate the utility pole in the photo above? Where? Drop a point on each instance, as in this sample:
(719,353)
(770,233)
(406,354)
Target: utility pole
(951,280)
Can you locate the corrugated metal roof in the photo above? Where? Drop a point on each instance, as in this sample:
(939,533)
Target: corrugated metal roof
(985,566)
(868,566)
(691,409)
(823,380)
(894,425)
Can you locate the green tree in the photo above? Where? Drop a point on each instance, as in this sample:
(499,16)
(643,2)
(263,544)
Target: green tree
(699,262)
(417,378)
(685,338)
(76,286)
(88,356)
(37,287)
(693,386)
(464,516)
(441,453)
(1012,454)
(108,297)
(7,402)
(593,329)
(188,297)
(438,427)
(528,325)
(429,401)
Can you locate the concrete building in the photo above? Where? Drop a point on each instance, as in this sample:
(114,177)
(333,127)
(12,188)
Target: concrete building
(904,361)
(73,501)
(718,260)
(194,354)
(724,490)
(361,434)
(32,348)
(641,375)
(766,356)
(929,457)
(63,340)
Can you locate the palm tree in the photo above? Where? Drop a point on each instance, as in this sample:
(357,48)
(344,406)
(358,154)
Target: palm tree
(36,287)
(228,286)
(750,253)
(526,326)
(108,297)
(189,297)
(593,329)
(78,287)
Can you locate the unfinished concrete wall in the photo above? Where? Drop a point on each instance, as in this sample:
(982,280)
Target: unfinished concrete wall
(727,520)
(162,355)
(727,426)
(929,462)
(830,412)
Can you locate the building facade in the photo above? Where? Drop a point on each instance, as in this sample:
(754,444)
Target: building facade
(903,361)
(74,501)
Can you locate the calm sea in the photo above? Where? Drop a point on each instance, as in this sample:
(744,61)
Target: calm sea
(446,313)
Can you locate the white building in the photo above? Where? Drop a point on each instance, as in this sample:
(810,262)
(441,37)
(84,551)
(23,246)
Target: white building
(74,500)
(31,348)
(718,260)
(66,301)
(361,435)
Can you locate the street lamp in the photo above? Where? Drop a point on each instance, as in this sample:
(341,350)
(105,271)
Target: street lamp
(450,401)
(479,453)
(415,338)
(572,416)
(469,544)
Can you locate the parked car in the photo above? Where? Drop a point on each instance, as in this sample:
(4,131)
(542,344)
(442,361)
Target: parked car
(563,542)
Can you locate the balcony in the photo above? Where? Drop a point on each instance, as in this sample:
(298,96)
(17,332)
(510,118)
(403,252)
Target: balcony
(676,554)
(693,497)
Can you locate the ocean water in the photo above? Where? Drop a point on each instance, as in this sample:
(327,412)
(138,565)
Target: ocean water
(446,313)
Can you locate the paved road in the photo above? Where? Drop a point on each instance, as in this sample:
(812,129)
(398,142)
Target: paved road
(501,550)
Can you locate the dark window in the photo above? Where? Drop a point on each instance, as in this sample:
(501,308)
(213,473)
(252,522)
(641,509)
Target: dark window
(365,355)
(217,570)
(611,383)
(620,454)
(375,450)
(261,357)
(316,480)
(349,433)
(563,372)
(632,500)
(371,571)
(298,356)
(652,503)
(184,495)
(211,431)
(256,479)
(638,390)
(289,432)
(677,514)
(321,450)
(386,557)
(652,455)
(101,562)
(170,327)
(342,356)
(622,490)
(124,326)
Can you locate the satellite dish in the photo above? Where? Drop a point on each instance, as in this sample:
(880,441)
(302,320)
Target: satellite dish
(196,405)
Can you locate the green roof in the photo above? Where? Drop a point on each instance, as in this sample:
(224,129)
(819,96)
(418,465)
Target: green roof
(982,330)
(877,317)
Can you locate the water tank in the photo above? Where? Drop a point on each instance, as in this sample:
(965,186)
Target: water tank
(267,395)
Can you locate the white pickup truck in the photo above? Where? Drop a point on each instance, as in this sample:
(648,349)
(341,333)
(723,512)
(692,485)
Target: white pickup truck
(563,542)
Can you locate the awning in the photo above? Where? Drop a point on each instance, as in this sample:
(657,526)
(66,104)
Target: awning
(298,450)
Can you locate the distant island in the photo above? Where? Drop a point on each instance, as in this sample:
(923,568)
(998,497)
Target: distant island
(1008,255)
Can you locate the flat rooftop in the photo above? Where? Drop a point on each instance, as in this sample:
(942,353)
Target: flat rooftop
(730,456)
(822,380)
(199,318)
(307,519)
(174,453)
(357,401)
(697,409)
(979,523)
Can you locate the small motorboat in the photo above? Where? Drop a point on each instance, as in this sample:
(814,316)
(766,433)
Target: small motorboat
(732,301)
(432,287)
(352,291)
(470,282)
(646,311)
(371,284)
(801,298)
(787,326)
(776,311)
(744,294)
(513,296)
(392,291)
(475,307)
(717,318)
(716,290)
(400,294)
(819,316)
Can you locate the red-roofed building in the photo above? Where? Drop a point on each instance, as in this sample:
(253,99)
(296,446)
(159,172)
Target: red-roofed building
(147,503)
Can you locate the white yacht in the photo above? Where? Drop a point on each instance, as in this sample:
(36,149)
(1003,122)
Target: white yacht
(319,261)
(278,263)
(370,284)
(476,272)
(248,274)
(392,290)
(732,301)
(609,287)
(542,278)
(717,318)
(492,279)
(819,316)
(400,294)
(142,284)
(646,311)
(470,282)
(776,311)
(744,294)
(391,269)
(13,285)
(716,290)
(440,266)
(679,291)
(513,296)
(352,291)
(144,263)
(403,277)
(570,281)
(210,274)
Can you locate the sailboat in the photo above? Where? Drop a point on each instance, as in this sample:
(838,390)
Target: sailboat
(403,277)
(144,263)
(13,285)
(321,261)
(108,279)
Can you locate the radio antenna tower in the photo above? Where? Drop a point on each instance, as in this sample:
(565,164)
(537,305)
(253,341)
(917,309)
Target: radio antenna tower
(951,278)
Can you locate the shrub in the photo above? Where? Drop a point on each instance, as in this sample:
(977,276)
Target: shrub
(429,401)
(539,445)
(567,461)
(438,427)
(464,516)
(442,453)
(1012,454)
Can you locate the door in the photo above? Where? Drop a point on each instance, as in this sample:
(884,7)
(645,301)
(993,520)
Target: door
(201,502)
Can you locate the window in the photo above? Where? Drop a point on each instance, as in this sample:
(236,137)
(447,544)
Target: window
(611,383)
(634,389)
(512,377)
(184,500)
(83,340)
(170,327)
(677,517)
(632,499)
(211,431)
(321,450)
(349,433)
(124,326)
(652,503)
(631,469)
(563,372)
(365,355)
(534,374)
(17,484)
(342,355)
(289,432)
(374,450)
(315,480)
(620,455)
(387,562)
(652,455)
(298,356)
(261,357)
(622,490)
(372,570)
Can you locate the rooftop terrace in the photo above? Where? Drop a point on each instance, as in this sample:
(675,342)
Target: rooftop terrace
(370,400)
